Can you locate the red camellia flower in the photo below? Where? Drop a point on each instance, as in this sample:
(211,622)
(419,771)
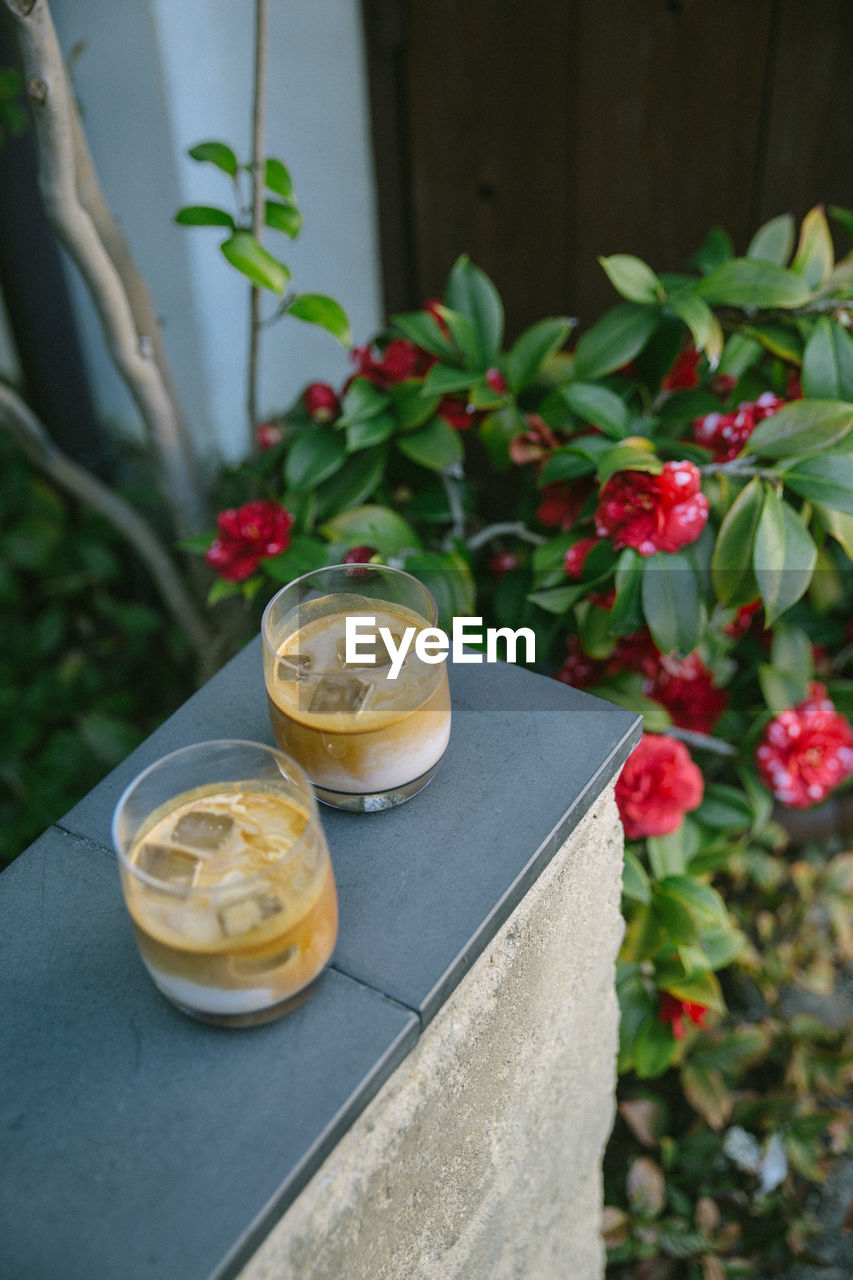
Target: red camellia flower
(268,435)
(247,535)
(561,503)
(321,401)
(683,376)
(400,361)
(357,556)
(496,382)
(457,413)
(686,688)
(806,751)
(725,434)
(657,786)
(535,444)
(673,1010)
(502,562)
(575,557)
(653,512)
(579,669)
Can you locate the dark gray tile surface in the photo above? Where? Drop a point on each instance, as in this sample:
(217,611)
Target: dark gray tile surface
(137,1143)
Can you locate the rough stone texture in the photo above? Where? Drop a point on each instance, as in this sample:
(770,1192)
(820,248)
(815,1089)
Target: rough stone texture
(480,1157)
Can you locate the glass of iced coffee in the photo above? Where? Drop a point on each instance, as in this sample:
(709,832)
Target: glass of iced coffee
(360,704)
(228,881)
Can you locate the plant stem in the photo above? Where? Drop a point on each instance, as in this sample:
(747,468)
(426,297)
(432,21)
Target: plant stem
(259,95)
(504,529)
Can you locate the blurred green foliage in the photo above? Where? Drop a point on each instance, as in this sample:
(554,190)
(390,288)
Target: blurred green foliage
(89,666)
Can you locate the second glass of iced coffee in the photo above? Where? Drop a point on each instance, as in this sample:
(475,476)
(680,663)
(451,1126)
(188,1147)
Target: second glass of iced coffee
(368,736)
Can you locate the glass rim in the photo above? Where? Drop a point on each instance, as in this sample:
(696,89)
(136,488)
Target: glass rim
(301,777)
(329,568)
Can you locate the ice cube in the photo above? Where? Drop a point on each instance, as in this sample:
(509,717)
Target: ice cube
(201,829)
(374,645)
(247,913)
(296,666)
(339,695)
(172,866)
(263,964)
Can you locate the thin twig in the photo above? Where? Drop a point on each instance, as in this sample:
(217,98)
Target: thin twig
(450,478)
(258,211)
(506,528)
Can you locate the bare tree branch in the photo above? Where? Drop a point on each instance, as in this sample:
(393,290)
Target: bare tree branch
(37,445)
(53,115)
(259,96)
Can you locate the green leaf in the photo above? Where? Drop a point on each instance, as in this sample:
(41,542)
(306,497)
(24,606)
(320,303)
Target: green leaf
(791,651)
(634,454)
(471,292)
(703,324)
(421,328)
(597,405)
(410,407)
(667,854)
(435,445)
(780,689)
(779,341)
(632,278)
(815,256)
(828,362)
(671,604)
(203,215)
(277,178)
(839,526)
(616,338)
(704,903)
(654,1049)
(313,456)
(302,556)
(774,242)
(724,807)
(466,337)
(448,576)
(731,564)
(746,282)
(635,880)
(532,348)
(707,1092)
(215,153)
(362,400)
(827,479)
(374,526)
(803,426)
(371,431)
(784,556)
(715,248)
(352,484)
(249,257)
(559,599)
(316,308)
(283,217)
(443,380)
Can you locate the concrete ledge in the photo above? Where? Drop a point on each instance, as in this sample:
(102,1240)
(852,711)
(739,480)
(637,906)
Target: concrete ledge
(480,1157)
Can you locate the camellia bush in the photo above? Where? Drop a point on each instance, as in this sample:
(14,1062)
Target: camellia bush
(667,501)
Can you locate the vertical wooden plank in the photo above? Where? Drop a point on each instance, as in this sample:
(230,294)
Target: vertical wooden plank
(807,157)
(667,105)
(489,124)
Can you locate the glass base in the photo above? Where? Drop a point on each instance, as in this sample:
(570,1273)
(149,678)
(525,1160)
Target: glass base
(256,1018)
(374,801)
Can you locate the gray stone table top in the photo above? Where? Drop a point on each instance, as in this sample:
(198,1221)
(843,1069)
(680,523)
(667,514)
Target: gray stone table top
(138,1143)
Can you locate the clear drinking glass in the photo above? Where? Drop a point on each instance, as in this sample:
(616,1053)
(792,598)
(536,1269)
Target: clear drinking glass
(368,736)
(228,881)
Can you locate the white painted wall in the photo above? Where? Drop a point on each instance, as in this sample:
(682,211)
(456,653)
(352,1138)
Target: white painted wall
(156,77)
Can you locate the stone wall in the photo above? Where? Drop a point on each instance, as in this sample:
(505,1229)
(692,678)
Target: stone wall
(481,1156)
